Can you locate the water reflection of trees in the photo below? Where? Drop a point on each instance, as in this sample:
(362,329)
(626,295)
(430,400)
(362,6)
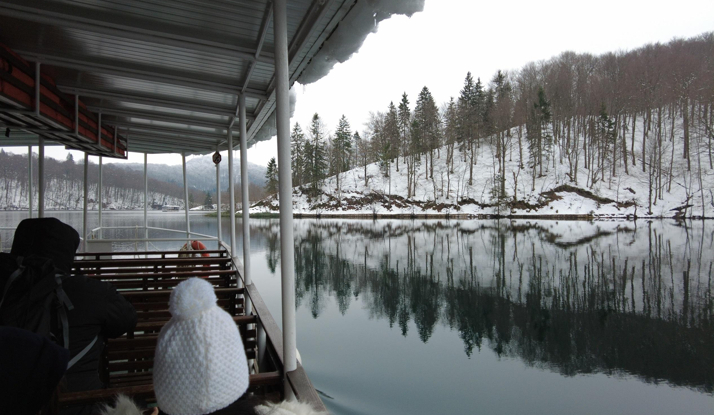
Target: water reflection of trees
(614,300)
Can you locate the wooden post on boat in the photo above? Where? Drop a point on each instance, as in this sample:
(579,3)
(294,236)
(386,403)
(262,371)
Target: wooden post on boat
(287,248)
(218,198)
(231,192)
(146,201)
(244,194)
(41,179)
(29,180)
(185,200)
(85,203)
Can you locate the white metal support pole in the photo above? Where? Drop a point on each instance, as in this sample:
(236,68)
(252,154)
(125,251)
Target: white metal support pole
(99,196)
(232,193)
(146,201)
(41,180)
(245,203)
(85,229)
(287,248)
(41,166)
(185,198)
(29,180)
(218,199)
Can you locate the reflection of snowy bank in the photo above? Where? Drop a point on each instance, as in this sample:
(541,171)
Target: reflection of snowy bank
(645,260)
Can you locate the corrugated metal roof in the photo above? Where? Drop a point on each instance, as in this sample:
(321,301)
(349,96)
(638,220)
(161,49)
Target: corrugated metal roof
(166,72)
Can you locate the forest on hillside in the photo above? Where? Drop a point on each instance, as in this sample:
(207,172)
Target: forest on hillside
(64,184)
(123,186)
(646,114)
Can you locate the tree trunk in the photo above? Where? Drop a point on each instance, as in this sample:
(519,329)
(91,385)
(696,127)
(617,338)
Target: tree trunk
(624,143)
(632,149)
(685,121)
(471,165)
(431,164)
(671,159)
(366,181)
(614,146)
(645,129)
(585,144)
(520,146)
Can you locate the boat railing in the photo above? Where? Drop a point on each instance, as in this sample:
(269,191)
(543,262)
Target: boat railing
(97,241)
(270,341)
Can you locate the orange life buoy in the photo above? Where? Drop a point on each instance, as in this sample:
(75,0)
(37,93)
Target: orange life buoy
(199,246)
(195,246)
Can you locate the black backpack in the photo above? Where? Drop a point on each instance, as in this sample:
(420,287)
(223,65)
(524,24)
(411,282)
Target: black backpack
(32,298)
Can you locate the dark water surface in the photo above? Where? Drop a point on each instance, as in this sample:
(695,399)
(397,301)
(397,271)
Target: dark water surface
(489,317)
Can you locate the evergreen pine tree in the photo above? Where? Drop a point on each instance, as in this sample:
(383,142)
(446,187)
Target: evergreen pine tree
(429,125)
(298,154)
(470,109)
(392,133)
(405,121)
(341,149)
(271,177)
(316,159)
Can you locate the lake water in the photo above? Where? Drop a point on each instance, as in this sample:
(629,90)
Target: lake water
(489,317)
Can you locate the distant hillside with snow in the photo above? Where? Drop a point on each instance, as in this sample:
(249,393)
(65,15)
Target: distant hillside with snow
(201,173)
(369,191)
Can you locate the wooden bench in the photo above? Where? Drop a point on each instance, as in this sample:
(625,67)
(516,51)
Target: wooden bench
(127,362)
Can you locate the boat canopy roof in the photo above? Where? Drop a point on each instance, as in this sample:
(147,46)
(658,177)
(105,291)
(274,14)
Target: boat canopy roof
(167,73)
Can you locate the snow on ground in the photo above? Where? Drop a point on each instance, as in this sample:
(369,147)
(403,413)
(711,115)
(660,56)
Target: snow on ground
(450,193)
(63,194)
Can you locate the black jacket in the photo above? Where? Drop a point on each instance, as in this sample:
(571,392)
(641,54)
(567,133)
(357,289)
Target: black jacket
(98,311)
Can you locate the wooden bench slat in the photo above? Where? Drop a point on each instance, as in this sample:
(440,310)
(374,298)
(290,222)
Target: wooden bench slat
(166,293)
(86,254)
(166,283)
(172,269)
(148,262)
(178,272)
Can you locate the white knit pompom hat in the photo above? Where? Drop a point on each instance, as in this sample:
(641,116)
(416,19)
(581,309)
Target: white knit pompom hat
(200,364)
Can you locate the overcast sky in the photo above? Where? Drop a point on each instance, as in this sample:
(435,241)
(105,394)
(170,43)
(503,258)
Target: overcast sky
(436,47)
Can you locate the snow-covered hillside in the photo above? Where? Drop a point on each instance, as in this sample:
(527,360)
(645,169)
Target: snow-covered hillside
(63,194)
(554,193)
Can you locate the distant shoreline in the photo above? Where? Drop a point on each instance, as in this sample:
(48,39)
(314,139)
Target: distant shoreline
(401,216)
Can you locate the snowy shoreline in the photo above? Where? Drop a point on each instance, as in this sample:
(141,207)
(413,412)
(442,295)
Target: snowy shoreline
(468,216)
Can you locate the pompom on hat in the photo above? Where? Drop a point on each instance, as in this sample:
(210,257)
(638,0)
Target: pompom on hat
(200,364)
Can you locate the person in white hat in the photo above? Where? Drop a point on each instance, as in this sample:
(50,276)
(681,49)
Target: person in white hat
(200,366)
